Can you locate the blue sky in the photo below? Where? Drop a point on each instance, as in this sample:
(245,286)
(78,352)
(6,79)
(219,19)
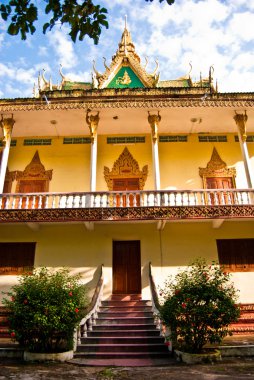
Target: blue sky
(204,32)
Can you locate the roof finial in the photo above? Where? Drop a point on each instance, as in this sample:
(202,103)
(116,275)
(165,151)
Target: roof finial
(125,31)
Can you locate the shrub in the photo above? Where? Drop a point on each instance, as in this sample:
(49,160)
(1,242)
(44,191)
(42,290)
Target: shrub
(45,307)
(198,306)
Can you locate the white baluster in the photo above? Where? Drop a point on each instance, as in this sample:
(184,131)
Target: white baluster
(46,201)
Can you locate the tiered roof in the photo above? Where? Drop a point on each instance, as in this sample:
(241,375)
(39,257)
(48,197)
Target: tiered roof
(126,71)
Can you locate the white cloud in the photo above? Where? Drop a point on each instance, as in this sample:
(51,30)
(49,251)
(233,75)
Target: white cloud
(43,51)
(62,47)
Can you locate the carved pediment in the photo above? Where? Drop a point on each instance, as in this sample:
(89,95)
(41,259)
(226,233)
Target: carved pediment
(125,167)
(35,170)
(216,167)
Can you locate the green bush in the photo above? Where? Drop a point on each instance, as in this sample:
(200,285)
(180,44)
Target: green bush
(45,307)
(198,306)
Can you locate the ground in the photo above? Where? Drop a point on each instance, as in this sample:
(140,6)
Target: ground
(233,369)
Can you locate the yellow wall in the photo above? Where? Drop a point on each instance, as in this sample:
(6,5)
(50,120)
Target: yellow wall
(73,246)
(179,162)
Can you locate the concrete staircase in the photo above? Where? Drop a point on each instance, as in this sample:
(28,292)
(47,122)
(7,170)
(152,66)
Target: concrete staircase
(124,334)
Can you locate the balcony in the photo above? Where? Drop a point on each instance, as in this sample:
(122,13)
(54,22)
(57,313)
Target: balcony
(130,205)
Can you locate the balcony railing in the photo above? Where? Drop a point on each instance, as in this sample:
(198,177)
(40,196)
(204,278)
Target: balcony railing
(112,199)
(126,206)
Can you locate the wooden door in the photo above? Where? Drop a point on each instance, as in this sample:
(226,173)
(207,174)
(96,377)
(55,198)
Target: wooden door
(127,184)
(220,183)
(36,186)
(126,267)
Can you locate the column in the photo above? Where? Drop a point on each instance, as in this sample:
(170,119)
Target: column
(154,121)
(92,122)
(241,120)
(6,124)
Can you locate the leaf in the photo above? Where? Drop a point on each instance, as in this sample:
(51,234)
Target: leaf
(45,27)
(13,29)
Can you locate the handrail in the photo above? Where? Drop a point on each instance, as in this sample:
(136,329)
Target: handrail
(89,320)
(148,198)
(164,330)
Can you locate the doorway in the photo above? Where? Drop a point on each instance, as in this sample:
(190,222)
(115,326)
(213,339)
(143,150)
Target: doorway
(126,267)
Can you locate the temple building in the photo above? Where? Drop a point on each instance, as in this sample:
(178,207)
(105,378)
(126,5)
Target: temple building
(127,171)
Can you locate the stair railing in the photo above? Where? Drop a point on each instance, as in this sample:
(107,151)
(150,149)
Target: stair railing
(86,324)
(164,330)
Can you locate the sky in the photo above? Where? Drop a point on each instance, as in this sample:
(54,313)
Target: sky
(189,33)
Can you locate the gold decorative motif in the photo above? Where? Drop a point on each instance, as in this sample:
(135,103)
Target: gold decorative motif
(7,124)
(216,167)
(125,167)
(154,121)
(92,122)
(241,120)
(34,171)
(125,79)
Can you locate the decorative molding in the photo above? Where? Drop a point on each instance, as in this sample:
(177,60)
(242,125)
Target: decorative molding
(216,167)
(125,167)
(126,213)
(124,101)
(34,171)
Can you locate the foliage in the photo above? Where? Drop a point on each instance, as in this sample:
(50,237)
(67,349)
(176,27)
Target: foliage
(198,306)
(83,18)
(45,307)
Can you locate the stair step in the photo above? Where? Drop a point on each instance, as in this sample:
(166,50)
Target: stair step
(122,333)
(120,326)
(126,303)
(124,321)
(153,347)
(124,315)
(126,297)
(123,309)
(121,355)
(122,340)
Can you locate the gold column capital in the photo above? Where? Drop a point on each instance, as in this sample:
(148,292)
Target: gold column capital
(7,124)
(241,120)
(154,121)
(92,122)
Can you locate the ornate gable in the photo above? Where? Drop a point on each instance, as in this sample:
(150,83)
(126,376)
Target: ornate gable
(125,70)
(125,167)
(35,170)
(216,167)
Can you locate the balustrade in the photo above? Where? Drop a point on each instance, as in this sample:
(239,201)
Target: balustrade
(153,198)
